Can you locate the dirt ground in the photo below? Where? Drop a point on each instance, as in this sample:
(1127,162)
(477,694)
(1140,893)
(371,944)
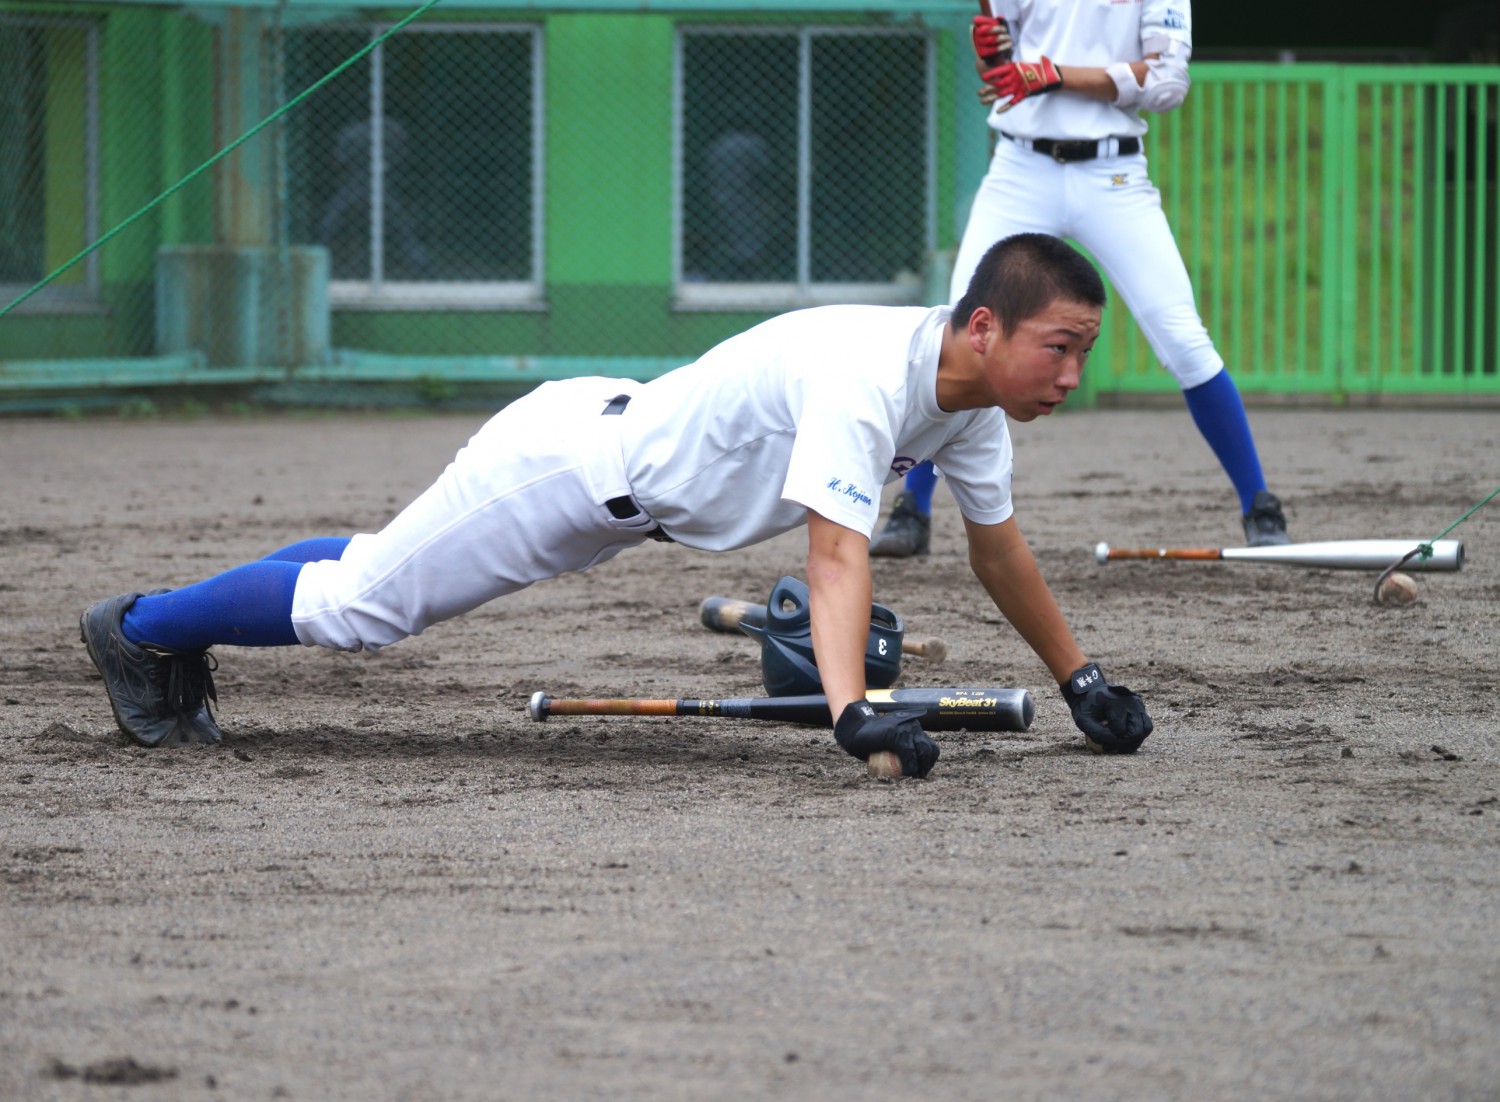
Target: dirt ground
(388,882)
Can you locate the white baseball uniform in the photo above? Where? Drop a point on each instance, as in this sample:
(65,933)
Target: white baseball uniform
(1107,204)
(816,409)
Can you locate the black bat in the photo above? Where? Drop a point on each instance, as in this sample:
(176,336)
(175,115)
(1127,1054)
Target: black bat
(942,709)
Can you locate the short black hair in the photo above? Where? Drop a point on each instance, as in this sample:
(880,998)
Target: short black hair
(1020,276)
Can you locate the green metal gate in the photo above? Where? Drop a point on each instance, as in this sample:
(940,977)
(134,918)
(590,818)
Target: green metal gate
(1340,226)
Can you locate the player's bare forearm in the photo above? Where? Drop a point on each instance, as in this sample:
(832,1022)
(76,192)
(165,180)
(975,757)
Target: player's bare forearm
(1094,81)
(1003,563)
(839,596)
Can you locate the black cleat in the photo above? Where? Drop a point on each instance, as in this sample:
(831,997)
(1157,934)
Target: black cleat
(906,533)
(159,697)
(1265,524)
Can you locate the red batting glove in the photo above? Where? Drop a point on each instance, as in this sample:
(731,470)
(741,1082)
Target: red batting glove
(991,37)
(1019,79)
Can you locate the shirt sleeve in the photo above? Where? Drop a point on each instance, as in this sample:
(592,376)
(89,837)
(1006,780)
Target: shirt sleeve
(1166,18)
(978,466)
(845,442)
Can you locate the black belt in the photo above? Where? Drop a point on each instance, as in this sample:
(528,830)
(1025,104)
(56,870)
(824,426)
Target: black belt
(1068,152)
(625,508)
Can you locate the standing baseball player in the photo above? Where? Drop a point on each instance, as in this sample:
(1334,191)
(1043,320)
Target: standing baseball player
(1068,82)
(799,420)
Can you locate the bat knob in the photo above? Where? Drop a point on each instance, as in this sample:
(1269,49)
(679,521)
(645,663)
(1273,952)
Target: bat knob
(538,707)
(1101,552)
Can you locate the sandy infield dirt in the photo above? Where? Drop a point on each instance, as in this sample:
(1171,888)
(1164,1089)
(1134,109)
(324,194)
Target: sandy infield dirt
(388,882)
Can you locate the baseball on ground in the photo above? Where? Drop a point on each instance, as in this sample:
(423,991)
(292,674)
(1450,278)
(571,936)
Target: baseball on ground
(883,763)
(1398,589)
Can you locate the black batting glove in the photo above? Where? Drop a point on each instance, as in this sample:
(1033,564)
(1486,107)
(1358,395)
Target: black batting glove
(862,731)
(1112,718)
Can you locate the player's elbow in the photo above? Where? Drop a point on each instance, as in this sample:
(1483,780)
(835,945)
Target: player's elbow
(1166,81)
(1164,93)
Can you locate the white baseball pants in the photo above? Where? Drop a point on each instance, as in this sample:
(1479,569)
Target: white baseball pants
(522,501)
(1111,208)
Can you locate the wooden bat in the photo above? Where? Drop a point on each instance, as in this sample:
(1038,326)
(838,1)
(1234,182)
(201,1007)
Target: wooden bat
(942,709)
(725,614)
(1447,555)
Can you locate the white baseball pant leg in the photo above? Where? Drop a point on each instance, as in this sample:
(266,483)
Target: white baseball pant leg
(1111,208)
(522,501)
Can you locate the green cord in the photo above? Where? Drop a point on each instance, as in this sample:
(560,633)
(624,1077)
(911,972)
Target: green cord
(220,155)
(1426,548)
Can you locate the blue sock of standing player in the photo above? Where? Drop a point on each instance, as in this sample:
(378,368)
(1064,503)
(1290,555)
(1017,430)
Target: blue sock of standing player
(248,606)
(1220,416)
(921,480)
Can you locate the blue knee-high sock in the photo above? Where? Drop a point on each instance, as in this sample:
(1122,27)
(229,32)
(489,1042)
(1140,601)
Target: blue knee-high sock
(920,482)
(1220,416)
(313,550)
(249,606)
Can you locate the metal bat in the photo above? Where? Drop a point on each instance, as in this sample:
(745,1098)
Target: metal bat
(1447,555)
(725,614)
(942,709)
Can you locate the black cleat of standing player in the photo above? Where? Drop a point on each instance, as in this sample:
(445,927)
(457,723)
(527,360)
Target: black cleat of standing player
(1265,524)
(907,532)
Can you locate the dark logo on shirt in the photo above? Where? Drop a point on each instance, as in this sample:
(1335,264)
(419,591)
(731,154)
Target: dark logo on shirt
(903,463)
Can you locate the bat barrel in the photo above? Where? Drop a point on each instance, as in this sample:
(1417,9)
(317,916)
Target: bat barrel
(726,614)
(961,709)
(1447,555)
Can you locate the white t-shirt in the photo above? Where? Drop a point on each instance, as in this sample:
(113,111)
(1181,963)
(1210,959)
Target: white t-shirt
(815,409)
(1084,32)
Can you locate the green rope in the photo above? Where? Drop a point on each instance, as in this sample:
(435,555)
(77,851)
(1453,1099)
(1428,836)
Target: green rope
(1425,549)
(219,156)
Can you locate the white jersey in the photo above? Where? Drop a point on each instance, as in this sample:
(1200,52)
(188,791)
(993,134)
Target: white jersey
(1084,32)
(816,409)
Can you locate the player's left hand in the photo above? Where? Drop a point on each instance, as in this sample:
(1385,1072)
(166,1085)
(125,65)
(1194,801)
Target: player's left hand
(1112,718)
(862,731)
(991,37)
(1018,79)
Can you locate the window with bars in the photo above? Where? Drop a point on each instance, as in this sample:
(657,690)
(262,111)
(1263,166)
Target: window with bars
(49,78)
(419,166)
(804,165)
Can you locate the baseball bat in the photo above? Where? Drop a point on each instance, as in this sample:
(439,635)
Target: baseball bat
(1447,555)
(942,709)
(725,614)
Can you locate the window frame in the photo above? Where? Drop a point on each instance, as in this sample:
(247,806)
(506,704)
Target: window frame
(376,293)
(803,291)
(85,297)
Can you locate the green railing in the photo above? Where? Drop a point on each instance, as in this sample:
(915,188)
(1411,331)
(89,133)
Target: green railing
(1340,226)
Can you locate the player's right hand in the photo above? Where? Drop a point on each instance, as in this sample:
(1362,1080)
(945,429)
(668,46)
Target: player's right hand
(1112,718)
(991,37)
(862,731)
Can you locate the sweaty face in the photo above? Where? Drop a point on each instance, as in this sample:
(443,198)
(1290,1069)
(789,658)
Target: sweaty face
(1032,370)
